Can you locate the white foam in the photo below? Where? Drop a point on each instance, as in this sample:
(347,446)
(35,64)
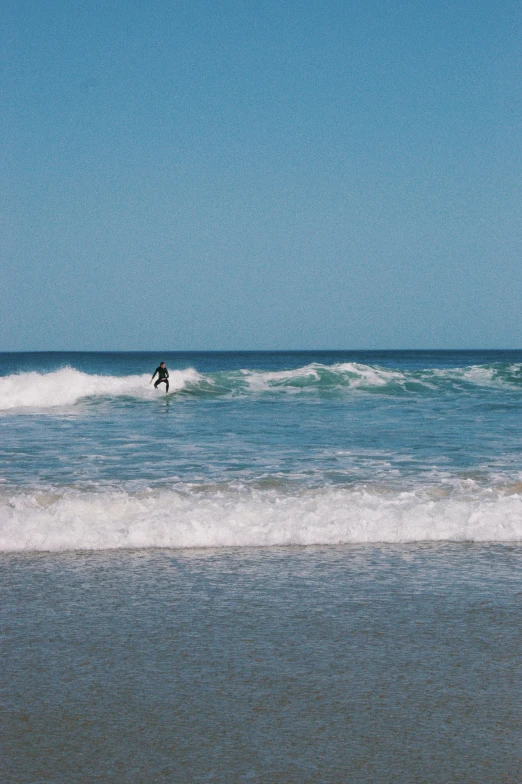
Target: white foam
(368,376)
(260,381)
(474,374)
(80,520)
(67,386)
(355,375)
(349,374)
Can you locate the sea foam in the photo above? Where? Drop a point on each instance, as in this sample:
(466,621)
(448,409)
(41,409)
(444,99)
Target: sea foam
(74,519)
(67,386)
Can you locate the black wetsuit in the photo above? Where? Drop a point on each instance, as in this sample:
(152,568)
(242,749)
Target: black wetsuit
(163,375)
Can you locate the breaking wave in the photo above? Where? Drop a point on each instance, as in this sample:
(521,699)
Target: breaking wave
(74,519)
(357,376)
(67,386)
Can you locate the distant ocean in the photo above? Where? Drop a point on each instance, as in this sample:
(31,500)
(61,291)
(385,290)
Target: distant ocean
(297,566)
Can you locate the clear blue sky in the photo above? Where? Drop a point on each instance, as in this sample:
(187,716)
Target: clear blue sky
(213,174)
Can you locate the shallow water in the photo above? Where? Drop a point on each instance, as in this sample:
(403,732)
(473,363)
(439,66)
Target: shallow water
(396,663)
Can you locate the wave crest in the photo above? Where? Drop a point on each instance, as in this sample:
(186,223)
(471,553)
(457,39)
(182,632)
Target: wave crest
(67,386)
(73,519)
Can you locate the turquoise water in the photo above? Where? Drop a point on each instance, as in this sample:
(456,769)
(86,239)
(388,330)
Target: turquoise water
(297,567)
(259,449)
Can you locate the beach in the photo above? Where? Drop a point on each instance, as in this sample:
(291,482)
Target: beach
(297,567)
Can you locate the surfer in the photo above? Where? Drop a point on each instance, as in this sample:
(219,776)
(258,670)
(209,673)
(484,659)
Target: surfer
(163,376)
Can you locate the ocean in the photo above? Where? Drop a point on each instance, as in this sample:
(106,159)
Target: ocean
(294,567)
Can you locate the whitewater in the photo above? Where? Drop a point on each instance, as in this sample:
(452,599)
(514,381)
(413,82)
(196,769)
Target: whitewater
(259,449)
(67,386)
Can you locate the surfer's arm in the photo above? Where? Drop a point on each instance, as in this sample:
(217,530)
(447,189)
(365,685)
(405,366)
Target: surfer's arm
(153,376)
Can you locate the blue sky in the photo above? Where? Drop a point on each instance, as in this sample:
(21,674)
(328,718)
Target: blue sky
(264,175)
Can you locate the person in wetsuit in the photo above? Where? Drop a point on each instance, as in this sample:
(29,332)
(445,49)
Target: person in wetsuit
(163,376)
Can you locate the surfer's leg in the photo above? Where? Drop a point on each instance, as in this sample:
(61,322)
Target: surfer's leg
(161,381)
(167,383)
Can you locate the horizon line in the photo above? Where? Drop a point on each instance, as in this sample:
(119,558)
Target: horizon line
(244,350)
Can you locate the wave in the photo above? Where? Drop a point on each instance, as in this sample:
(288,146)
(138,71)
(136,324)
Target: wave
(357,376)
(67,386)
(74,519)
